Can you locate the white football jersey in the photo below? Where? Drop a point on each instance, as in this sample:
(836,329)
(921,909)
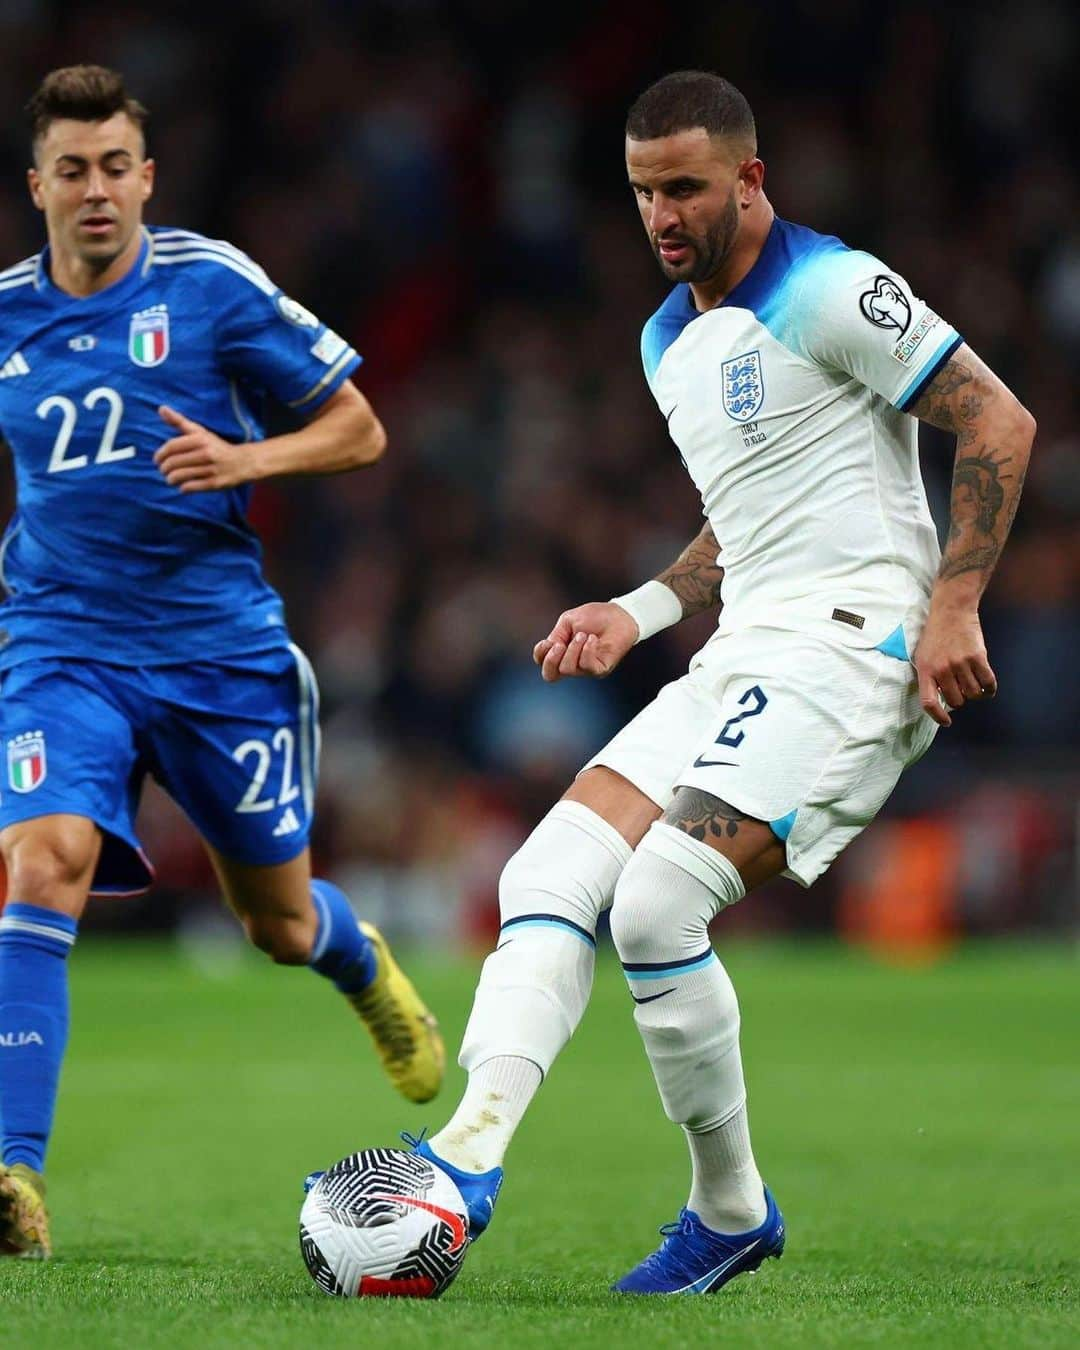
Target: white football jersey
(788,402)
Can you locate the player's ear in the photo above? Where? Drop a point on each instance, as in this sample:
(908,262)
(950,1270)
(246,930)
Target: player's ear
(751,181)
(33,181)
(148,169)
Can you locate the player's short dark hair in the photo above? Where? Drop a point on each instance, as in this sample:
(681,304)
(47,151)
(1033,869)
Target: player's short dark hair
(83,93)
(687,99)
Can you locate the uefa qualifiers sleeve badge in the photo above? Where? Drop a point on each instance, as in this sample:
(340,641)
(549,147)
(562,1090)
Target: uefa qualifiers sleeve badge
(292,311)
(886,306)
(148,336)
(26,761)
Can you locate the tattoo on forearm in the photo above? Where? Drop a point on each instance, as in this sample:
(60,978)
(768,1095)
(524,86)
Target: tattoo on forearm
(695,576)
(951,402)
(977,489)
(702,815)
(986,481)
(984,502)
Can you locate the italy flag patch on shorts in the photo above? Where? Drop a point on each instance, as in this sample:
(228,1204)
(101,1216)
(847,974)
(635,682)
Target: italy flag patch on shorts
(26,761)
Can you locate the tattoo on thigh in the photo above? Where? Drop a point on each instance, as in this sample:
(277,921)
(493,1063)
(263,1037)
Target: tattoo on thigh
(701,814)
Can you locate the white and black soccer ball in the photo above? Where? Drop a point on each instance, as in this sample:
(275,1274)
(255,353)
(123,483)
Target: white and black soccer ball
(384,1223)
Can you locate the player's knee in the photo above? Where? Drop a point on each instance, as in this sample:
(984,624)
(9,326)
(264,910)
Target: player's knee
(287,941)
(666,896)
(51,869)
(540,880)
(517,884)
(647,912)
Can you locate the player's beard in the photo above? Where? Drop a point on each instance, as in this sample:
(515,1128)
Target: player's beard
(98,255)
(707,254)
(100,260)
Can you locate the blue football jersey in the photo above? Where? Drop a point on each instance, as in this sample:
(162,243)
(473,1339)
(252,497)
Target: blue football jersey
(103,559)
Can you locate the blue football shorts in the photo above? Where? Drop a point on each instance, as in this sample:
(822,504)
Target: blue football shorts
(235,744)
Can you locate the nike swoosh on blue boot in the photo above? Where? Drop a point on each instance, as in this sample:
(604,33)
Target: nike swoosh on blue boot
(479,1190)
(693,1259)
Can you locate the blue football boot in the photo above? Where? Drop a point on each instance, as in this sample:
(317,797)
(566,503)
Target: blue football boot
(693,1259)
(479,1190)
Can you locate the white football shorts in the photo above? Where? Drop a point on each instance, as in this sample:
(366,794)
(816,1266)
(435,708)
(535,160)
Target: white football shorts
(806,735)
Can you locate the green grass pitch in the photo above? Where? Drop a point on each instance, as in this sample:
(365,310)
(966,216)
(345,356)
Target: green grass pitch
(921,1129)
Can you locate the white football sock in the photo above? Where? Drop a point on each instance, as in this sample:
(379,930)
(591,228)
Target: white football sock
(687,1012)
(726,1191)
(534,987)
(479,1132)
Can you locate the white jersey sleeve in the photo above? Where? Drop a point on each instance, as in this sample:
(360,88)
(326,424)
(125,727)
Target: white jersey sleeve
(855,315)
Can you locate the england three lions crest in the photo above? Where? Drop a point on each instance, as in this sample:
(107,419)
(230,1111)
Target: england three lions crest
(26,761)
(148,336)
(744,388)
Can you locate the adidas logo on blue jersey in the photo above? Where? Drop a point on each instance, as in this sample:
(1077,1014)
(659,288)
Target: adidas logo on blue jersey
(14,365)
(288,824)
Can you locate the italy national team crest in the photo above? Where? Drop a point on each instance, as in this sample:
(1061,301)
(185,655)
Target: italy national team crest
(743,386)
(26,761)
(148,337)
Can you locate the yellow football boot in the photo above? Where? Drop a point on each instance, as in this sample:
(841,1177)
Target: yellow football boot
(406,1035)
(24,1220)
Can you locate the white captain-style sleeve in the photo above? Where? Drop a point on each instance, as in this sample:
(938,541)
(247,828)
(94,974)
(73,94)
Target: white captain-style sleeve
(858,316)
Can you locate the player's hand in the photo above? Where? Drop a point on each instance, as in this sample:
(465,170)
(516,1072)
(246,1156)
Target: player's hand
(951,660)
(589,640)
(198,460)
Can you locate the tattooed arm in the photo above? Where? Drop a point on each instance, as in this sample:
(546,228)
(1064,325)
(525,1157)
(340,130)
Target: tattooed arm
(592,639)
(993,443)
(695,576)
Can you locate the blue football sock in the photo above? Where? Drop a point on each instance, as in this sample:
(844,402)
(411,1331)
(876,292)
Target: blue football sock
(34,943)
(342,953)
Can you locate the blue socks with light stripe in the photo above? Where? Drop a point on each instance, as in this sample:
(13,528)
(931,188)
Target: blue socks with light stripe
(341,953)
(34,943)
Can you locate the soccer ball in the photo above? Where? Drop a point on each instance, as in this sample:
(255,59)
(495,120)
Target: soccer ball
(384,1222)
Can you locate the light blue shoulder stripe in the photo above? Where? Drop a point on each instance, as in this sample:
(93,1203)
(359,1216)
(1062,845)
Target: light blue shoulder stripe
(664,327)
(789,311)
(770,291)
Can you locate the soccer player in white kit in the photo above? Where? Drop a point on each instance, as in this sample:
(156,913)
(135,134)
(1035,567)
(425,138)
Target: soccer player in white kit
(791,370)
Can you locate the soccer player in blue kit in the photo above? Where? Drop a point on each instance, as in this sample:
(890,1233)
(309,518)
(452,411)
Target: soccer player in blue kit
(138,635)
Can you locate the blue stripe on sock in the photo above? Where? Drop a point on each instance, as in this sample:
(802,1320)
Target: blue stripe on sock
(660,970)
(34,943)
(550,921)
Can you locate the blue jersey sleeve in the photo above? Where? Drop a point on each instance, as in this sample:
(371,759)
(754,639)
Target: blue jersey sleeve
(273,343)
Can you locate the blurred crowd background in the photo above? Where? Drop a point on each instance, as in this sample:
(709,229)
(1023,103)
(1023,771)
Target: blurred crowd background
(443,183)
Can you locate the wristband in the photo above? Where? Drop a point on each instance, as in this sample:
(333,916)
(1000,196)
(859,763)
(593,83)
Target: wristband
(652,607)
